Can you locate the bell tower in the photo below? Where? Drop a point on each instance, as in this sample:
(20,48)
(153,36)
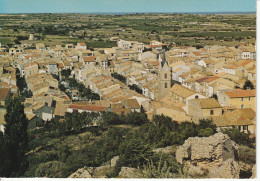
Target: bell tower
(164,77)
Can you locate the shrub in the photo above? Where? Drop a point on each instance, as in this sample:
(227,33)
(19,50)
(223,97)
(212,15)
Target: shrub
(162,165)
(52,169)
(239,138)
(247,155)
(205,132)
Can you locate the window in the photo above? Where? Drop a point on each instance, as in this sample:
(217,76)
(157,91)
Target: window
(242,99)
(245,128)
(165,85)
(196,97)
(239,128)
(165,76)
(242,106)
(249,98)
(211,112)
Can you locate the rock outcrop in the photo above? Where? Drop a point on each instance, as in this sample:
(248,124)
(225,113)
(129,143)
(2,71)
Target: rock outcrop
(94,172)
(253,172)
(81,173)
(127,172)
(211,157)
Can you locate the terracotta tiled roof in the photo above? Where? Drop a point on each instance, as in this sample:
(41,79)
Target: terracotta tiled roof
(30,64)
(197,53)
(3,93)
(82,44)
(208,103)
(87,107)
(131,104)
(240,93)
(237,117)
(89,59)
(245,62)
(60,65)
(182,91)
(155,63)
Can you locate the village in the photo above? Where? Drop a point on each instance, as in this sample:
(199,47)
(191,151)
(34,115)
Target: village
(182,82)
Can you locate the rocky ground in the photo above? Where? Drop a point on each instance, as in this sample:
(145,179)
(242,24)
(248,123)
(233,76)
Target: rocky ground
(205,157)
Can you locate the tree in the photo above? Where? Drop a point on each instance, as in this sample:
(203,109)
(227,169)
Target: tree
(136,118)
(248,85)
(160,120)
(111,118)
(15,138)
(206,123)
(2,152)
(66,73)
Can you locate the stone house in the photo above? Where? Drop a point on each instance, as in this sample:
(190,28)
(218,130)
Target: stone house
(30,69)
(46,113)
(131,104)
(237,98)
(90,60)
(53,68)
(125,45)
(81,46)
(85,108)
(203,108)
(182,94)
(242,119)
(179,68)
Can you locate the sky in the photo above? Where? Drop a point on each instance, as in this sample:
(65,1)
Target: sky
(125,6)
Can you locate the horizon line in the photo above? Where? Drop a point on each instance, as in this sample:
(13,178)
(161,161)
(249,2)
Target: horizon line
(122,13)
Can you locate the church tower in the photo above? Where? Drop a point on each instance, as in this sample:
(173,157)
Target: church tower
(164,77)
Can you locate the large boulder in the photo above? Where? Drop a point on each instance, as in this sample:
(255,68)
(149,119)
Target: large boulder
(212,157)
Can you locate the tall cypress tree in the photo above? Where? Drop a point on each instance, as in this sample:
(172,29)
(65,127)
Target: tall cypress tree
(15,138)
(2,151)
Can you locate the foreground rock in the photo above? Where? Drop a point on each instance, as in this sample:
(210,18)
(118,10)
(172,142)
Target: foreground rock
(94,172)
(81,173)
(253,172)
(127,172)
(209,157)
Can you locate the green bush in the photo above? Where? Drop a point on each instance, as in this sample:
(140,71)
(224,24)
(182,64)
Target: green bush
(247,155)
(205,132)
(162,165)
(52,169)
(239,137)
